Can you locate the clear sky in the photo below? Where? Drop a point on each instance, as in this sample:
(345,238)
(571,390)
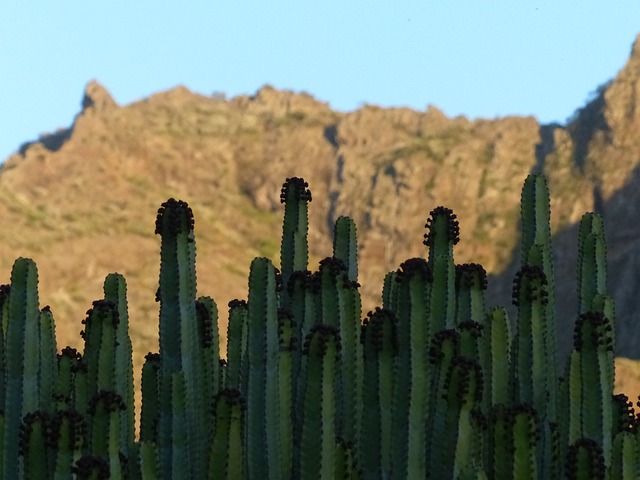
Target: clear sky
(478,58)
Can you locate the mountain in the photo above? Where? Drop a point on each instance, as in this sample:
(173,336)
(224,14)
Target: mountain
(82,201)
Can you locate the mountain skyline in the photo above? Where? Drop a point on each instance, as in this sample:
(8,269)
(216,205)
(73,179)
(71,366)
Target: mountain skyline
(543,59)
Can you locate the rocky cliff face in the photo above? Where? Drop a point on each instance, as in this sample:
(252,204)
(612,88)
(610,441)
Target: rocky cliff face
(82,202)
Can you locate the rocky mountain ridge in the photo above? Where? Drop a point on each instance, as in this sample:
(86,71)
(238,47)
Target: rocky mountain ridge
(82,201)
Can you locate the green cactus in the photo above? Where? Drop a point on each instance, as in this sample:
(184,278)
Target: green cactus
(227,459)
(411,369)
(150,412)
(263,416)
(105,439)
(317,458)
(585,461)
(591,382)
(180,350)
(496,345)
(380,347)
(68,439)
(22,392)
(33,442)
(345,245)
(294,252)
(237,345)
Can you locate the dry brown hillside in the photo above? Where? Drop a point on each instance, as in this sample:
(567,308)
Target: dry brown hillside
(82,201)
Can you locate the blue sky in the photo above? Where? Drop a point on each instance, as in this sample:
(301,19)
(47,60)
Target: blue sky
(477,58)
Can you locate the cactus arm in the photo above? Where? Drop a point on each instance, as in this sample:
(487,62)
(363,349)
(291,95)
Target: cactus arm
(33,442)
(318,429)
(592,266)
(411,370)
(262,388)
(236,344)
(150,411)
(227,450)
(624,456)
(471,282)
(524,424)
(180,350)
(286,387)
(148,461)
(443,233)
(379,340)
(345,245)
(294,250)
(496,345)
(68,430)
(389,290)
(22,358)
(47,367)
(593,343)
(585,461)
(115,290)
(105,409)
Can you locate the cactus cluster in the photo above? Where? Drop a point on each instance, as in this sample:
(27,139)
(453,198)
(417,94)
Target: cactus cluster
(431,384)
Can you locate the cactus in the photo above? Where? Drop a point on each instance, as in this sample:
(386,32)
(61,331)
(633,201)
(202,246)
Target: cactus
(263,416)
(294,252)
(411,369)
(380,346)
(317,431)
(227,458)
(429,386)
(22,390)
(180,351)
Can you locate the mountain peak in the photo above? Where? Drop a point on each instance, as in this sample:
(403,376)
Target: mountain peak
(97,97)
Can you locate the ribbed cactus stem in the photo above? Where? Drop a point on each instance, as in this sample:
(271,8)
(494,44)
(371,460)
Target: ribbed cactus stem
(318,420)
(34,439)
(345,245)
(496,347)
(380,347)
(180,350)
(294,252)
(150,398)
(585,461)
(47,370)
(105,409)
(22,351)
(115,291)
(263,416)
(68,439)
(592,261)
(288,345)
(471,282)
(227,459)
(530,356)
(411,369)
(237,345)
(593,370)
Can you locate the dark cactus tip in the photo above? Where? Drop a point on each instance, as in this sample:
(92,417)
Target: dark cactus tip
(453,227)
(414,266)
(324,333)
(5,290)
(237,303)
(438,341)
(152,357)
(111,401)
(71,353)
(601,330)
(91,466)
(231,396)
(77,422)
(295,187)
(375,326)
(469,275)
(531,283)
(28,422)
(595,457)
(206,324)
(174,216)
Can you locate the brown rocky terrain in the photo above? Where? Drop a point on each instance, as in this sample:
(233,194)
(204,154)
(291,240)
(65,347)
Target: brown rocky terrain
(82,201)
